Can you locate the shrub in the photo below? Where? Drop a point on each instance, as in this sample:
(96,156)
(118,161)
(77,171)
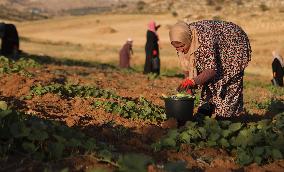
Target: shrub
(239,2)
(218,8)
(210,2)
(174,13)
(263,7)
(215,2)
(123,5)
(140,5)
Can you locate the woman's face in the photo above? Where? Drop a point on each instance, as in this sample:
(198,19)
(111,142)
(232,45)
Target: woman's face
(180,47)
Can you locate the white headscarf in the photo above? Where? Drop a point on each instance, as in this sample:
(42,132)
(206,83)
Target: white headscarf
(275,54)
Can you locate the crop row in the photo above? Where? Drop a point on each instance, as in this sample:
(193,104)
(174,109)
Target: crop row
(108,100)
(43,140)
(259,142)
(10,66)
(40,139)
(133,108)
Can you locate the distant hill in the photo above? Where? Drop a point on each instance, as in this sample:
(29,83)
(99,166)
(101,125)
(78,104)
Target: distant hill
(40,9)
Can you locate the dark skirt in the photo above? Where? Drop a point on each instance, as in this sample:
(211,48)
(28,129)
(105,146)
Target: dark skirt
(278,73)
(10,40)
(151,45)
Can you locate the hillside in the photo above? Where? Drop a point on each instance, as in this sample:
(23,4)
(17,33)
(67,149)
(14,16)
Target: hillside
(88,36)
(40,9)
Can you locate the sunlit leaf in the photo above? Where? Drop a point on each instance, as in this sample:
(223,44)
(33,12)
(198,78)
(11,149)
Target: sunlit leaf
(184,137)
(235,127)
(224,143)
(3,105)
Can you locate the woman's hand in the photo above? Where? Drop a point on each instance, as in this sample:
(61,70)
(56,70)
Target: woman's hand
(186,85)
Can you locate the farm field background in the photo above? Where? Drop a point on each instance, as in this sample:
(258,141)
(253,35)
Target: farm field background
(69,74)
(99,37)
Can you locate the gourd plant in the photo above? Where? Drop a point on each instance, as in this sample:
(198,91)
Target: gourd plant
(127,107)
(259,142)
(9,66)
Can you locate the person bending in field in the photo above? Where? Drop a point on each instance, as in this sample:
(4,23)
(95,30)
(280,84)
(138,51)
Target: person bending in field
(214,54)
(10,41)
(125,54)
(277,69)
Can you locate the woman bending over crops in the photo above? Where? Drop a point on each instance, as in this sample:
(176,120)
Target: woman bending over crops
(277,69)
(214,55)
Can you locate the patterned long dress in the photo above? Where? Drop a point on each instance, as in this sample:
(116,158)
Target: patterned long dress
(225,47)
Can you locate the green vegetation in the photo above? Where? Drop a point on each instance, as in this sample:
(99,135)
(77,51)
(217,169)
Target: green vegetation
(69,91)
(44,140)
(9,66)
(258,142)
(133,108)
(109,101)
(40,139)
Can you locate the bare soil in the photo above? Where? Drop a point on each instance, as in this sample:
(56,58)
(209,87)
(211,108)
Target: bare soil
(79,112)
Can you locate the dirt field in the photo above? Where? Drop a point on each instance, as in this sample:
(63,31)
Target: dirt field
(88,46)
(126,135)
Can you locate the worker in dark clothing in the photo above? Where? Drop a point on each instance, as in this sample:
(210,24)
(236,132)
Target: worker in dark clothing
(277,69)
(10,41)
(152,62)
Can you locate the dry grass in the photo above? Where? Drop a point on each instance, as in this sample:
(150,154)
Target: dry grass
(99,37)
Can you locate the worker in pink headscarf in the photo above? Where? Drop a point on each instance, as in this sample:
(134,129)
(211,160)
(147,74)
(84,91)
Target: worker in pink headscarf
(152,62)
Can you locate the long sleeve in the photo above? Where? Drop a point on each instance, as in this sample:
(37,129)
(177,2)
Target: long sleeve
(204,76)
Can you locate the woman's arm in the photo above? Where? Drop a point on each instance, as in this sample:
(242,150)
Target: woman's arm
(204,76)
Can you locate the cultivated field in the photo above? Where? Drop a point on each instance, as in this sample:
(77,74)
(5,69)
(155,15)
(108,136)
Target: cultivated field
(74,110)
(99,37)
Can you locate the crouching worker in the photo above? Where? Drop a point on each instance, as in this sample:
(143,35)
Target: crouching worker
(214,54)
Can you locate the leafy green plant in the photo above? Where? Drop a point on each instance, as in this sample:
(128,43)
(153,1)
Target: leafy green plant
(109,101)
(259,142)
(132,108)
(70,90)
(9,66)
(40,139)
